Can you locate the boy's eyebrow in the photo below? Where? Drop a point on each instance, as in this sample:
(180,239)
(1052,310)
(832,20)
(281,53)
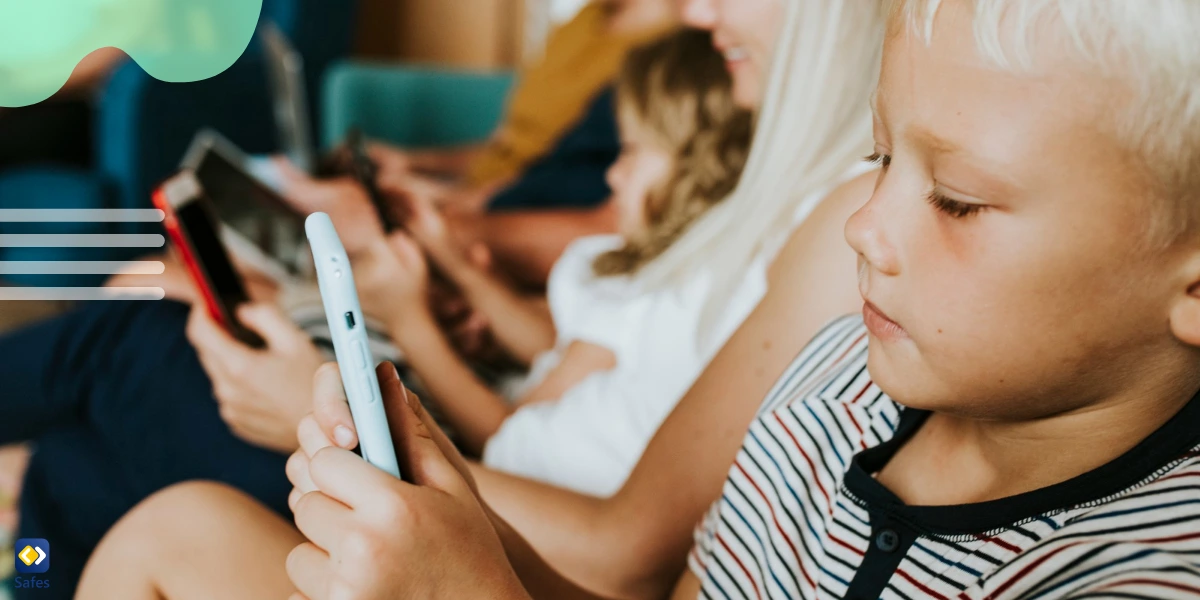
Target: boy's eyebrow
(936,144)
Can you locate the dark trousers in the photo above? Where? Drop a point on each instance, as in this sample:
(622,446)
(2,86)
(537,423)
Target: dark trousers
(118,407)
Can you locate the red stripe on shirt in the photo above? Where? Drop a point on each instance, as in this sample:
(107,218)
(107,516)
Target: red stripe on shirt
(812,467)
(778,526)
(745,571)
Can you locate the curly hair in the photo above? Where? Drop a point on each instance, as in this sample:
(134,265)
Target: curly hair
(679,89)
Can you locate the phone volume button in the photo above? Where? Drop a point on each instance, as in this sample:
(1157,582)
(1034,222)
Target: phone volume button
(360,355)
(371,388)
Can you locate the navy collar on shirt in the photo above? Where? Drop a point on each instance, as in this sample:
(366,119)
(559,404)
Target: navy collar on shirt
(1169,443)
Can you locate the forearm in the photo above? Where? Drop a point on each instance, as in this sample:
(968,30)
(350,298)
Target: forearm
(522,325)
(594,541)
(540,580)
(473,409)
(446,161)
(526,244)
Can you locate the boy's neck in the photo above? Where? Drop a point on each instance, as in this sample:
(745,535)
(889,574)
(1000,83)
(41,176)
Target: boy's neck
(628,17)
(953,460)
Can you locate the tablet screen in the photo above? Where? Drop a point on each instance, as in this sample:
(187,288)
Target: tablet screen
(254,211)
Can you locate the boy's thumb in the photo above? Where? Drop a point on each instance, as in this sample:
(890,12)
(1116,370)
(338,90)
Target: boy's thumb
(423,459)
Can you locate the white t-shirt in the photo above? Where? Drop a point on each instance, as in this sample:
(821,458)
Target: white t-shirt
(589,439)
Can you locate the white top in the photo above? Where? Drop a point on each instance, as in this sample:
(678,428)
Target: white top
(590,439)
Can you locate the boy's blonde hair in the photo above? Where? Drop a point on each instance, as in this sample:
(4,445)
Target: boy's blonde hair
(1151,46)
(679,90)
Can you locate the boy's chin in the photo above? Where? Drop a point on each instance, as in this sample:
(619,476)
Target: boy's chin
(905,381)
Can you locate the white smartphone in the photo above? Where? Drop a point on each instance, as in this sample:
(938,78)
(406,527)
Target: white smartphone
(348,329)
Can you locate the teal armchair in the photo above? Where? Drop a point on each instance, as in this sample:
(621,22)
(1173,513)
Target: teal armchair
(414,107)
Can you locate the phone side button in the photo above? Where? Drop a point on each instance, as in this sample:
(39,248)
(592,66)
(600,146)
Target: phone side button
(360,355)
(371,387)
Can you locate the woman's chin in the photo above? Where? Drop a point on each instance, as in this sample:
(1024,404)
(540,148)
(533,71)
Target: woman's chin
(747,86)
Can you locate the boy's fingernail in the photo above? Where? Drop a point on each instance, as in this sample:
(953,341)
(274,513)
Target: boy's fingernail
(343,436)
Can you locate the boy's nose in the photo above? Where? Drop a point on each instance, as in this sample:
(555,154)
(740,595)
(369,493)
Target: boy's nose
(866,235)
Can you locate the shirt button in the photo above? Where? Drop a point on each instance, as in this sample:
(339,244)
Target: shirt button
(887,541)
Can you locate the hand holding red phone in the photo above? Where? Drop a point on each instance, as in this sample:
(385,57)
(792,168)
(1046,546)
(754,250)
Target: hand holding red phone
(262,394)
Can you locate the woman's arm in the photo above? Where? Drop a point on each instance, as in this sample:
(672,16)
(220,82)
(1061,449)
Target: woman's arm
(637,541)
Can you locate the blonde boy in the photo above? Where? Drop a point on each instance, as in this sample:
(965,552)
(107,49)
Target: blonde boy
(1014,413)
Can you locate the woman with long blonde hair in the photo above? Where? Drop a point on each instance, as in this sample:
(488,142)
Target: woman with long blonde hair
(813,126)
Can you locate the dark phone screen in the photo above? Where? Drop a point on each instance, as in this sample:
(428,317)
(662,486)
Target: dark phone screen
(365,171)
(254,211)
(226,284)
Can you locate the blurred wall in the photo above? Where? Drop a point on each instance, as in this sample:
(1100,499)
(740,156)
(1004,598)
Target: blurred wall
(463,33)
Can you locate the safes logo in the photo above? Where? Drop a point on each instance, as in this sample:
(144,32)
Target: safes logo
(33,556)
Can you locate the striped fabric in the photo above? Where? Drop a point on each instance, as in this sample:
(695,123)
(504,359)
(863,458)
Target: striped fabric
(792,523)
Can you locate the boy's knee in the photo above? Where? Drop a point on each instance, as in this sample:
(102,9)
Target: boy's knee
(194,506)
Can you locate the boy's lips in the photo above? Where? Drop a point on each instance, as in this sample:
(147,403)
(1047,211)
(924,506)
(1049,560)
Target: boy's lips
(880,325)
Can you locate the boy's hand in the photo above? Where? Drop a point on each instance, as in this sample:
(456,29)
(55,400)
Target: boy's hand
(261,393)
(331,425)
(374,536)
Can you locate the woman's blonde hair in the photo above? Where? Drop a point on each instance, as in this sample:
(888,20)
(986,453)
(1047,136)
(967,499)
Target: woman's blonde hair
(813,129)
(679,91)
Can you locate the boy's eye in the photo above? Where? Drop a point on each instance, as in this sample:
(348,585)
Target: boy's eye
(954,208)
(883,160)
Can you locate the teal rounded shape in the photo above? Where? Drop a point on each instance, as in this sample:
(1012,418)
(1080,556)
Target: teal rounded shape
(41,41)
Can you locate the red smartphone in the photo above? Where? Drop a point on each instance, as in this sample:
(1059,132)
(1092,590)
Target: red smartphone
(193,227)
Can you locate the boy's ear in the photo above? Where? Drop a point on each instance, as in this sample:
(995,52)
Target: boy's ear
(1185,314)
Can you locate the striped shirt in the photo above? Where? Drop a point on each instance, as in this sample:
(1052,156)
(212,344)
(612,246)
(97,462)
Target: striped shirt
(801,515)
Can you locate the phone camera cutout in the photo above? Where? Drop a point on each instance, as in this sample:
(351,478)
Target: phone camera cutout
(350,320)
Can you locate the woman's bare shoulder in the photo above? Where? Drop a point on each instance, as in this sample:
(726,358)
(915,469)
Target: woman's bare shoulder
(820,243)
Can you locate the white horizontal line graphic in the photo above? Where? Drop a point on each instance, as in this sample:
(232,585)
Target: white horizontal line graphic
(79,294)
(64,267)
(81,240)
(81,215)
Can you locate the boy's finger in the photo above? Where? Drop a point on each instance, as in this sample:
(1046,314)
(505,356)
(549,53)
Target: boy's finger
(331,409)
(312,440)
(297,473)
(423,458)
(294,497)
(310,571)
(347,478)
(322,520)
